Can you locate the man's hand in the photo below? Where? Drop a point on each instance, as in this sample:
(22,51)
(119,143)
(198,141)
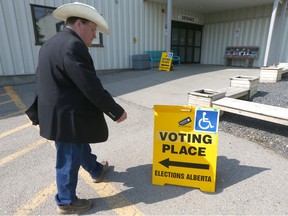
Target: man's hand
(122,118)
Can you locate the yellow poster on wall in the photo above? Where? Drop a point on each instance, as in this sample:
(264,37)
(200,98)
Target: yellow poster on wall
(185,146)
(166,61)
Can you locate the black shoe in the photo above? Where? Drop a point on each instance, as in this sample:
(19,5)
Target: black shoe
(105,169)
(77,207)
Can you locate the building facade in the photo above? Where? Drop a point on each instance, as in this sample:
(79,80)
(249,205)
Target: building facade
(138,25)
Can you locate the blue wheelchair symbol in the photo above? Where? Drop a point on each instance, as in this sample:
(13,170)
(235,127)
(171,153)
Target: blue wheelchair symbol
(170,55)
(206,120)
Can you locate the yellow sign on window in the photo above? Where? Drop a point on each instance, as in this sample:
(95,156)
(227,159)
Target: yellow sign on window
(166,61)
(185,146)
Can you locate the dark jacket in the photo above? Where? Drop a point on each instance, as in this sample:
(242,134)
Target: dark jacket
(71,98)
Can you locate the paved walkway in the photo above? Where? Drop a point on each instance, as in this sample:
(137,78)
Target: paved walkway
(151,87)
(250,179)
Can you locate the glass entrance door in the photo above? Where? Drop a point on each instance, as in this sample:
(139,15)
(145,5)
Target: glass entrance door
(186,41)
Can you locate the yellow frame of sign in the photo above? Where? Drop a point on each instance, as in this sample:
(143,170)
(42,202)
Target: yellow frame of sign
(166,61)
(181,155)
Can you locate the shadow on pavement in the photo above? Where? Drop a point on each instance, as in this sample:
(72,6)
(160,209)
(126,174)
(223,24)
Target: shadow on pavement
(153,77)
(130,83)
(141,190)
(230,172)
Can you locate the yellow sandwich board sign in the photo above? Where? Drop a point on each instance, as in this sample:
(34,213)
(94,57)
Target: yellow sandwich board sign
(185,146)
(166,61)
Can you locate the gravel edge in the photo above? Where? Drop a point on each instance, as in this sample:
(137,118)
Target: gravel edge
(269,135)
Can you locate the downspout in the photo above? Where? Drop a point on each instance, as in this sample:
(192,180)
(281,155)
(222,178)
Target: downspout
(280,33)
(272,22)
(168,36)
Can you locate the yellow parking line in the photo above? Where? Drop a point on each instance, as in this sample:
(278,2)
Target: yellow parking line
(107,191)
(11,114)
(5,102)
(14,130)
(112,196)
(22,151)
(37,200)
(3,94)
(16,99)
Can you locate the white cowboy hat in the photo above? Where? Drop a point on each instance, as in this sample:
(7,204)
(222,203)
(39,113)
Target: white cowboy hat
(81,10)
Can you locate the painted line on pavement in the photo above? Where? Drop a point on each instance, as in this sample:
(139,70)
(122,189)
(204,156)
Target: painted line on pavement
(16,99)
(14,130)
(5,102)
(11,115)
(112,196)
(42,196)
(3,94)
(37,200)
(22,151)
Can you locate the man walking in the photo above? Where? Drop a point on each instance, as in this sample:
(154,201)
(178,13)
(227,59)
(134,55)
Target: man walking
(71,101)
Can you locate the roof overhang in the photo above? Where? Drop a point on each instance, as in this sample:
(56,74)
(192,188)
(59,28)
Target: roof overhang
(208,6)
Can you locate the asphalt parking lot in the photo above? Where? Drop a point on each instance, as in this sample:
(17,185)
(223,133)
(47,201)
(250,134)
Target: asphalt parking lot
(251,180)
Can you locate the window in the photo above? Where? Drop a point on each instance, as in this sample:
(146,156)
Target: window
(45,25)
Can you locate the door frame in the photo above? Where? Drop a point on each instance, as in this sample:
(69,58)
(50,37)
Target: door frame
(186,26)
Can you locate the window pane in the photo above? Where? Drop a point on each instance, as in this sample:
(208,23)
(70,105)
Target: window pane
(190,37)
(196,54)
(175,50)
(175,36)
(189,55)
(182,53)
(198,38)
(182,37)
